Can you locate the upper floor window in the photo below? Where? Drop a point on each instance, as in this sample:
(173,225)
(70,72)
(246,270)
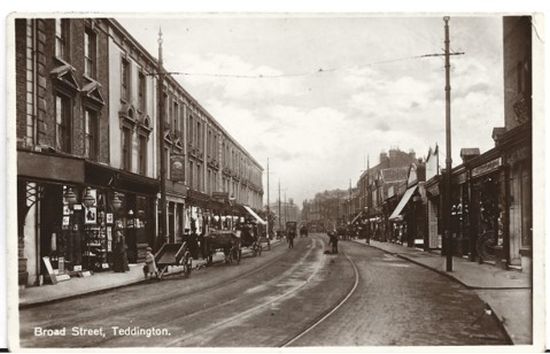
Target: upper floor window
(125,79)
(61,38)
(143,155)
(182,119)
(90,134)
(209,144)
(142,92)
(63,119)
(523,77)
(90,50)
(198,138)
(189,129)
(126,149)
(175,111)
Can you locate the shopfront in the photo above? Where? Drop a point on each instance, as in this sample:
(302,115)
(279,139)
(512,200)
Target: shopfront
(68,209)
(127,200)
(515,146)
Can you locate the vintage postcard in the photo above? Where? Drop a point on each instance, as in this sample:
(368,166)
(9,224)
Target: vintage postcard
(276,180)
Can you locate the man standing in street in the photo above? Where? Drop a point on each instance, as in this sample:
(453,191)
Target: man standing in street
(364,233)
(333,240)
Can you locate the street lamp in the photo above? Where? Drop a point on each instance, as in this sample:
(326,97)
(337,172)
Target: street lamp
(88,199)
(70,196)
(117,202)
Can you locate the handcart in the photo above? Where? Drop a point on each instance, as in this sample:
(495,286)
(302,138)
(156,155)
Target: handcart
(174,254)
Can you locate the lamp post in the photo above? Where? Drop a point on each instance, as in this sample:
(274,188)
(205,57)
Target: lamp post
(163,234)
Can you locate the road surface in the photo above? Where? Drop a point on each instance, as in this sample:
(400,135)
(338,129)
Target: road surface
(297,297)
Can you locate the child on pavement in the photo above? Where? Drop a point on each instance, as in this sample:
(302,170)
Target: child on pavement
(150,268)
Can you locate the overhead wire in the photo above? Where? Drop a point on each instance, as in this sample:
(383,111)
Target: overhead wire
(310,73)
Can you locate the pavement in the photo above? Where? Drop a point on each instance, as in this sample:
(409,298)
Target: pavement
(508,293)
(100,282)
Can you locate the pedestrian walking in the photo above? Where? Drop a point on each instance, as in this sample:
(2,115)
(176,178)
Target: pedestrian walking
(150,267)
(290,239)
(333,240)
(365,233)
(120,261)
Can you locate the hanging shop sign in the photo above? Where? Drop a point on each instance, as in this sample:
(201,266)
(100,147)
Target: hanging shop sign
(487,167)
(177,170)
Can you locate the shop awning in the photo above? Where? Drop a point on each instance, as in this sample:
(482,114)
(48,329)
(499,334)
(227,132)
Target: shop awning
(404,200)
(357,217)
(251,212)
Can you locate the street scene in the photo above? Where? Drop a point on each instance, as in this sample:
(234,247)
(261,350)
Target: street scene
(274,181)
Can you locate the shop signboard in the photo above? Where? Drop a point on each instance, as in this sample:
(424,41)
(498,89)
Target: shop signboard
(177,170)
(487,167)
(50,270)
(222,197)
(461,178)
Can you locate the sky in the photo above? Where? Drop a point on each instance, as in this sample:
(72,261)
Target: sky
(336,89)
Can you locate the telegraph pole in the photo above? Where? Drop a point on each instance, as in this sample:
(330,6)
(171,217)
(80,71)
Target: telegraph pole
(268,208)
(162,224)
(280,229)
(349,202)
(285,209)
(448,160)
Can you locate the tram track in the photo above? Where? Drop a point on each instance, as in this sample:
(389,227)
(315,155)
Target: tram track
(167,299)
(183,308)
(197,312)
(327,313)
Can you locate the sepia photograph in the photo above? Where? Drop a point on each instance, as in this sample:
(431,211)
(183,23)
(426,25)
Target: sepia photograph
(214,180)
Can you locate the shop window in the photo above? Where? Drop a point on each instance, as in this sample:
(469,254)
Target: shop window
(90,50)
(126,149)
(171,222)
(526,206)
(63,113)
(142,92)
(125,80)
(90,134)
(61,38)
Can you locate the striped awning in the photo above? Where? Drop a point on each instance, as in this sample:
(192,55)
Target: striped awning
(404,200)
(251,212)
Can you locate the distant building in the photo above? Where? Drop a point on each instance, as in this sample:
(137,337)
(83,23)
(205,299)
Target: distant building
(289,211)
(371,184)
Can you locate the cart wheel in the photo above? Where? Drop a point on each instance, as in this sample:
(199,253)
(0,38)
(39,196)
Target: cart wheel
(162,271)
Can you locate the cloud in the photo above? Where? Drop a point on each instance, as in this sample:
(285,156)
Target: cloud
(317,128)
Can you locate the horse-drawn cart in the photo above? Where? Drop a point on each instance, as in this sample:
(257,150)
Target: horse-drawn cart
(173,254)
(226,241)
